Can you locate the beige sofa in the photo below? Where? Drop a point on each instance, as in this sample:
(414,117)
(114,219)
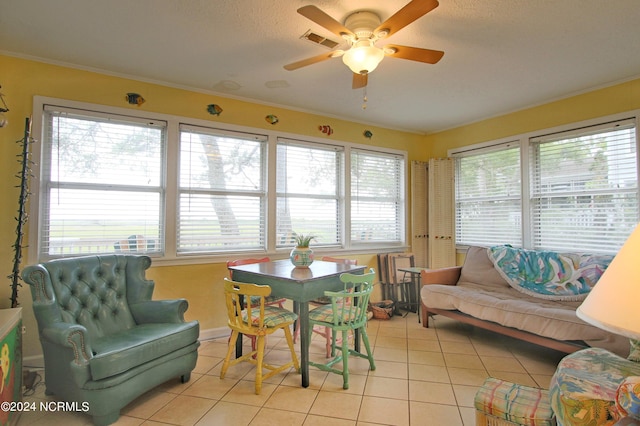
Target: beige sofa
(476,293)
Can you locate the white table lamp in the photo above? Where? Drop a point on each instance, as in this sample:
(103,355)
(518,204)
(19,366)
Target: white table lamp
(614,302)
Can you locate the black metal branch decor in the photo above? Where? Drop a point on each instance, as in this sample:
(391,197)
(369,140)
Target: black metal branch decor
(23,175)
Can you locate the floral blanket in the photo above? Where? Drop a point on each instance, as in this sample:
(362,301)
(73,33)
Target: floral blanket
(548,274)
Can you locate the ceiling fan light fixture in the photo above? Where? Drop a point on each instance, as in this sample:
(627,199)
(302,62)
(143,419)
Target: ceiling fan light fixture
(363,59)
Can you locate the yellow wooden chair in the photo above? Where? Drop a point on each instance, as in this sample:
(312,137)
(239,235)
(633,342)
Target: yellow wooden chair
(347,312)
(259,321)
(271,300)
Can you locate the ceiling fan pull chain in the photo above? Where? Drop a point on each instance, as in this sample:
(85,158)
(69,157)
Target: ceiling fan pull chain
(364,97)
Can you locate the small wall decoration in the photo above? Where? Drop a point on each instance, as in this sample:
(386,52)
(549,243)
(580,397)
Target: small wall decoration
(327,130)
(271,119)
(3,108)
(134,99)
(368,134)
(214,109)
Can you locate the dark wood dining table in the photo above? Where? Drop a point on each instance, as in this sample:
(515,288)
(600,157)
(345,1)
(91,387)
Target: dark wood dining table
(300,285)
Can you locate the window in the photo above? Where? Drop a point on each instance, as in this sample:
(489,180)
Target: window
(581,186)
(489,197)
(118,180)
(309,192)
(584,188)
(377,197)
(222,194)
(102,184)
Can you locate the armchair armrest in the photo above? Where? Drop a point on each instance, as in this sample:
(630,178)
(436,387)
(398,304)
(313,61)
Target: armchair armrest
(71,336)
(63,338)
(447,276)
(159,311)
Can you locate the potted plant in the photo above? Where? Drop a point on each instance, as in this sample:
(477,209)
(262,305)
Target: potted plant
(302,255)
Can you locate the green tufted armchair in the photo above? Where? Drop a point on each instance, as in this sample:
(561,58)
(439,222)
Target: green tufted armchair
(105,342)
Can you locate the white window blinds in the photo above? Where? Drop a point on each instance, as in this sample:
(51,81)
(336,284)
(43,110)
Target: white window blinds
(377,197)
(309,182)
(488,196)
(222,195)
(584,188)
(102,184)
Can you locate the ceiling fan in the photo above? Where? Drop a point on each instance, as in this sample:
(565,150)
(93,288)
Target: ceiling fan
(362,30)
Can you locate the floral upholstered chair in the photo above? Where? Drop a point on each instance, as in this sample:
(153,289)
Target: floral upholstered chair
(596,387)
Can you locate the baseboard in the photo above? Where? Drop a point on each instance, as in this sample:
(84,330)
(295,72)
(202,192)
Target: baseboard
(214,333)
(33,362)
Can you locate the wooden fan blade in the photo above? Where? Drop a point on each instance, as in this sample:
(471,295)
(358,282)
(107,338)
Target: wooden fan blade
(309,61)
(359,80)
(414,53)
(409,13)
(319,17)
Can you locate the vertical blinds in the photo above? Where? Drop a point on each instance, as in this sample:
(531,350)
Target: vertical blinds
(377,196)
(584,188)
(309,182)
(488,196)
(222,191)
(102,183)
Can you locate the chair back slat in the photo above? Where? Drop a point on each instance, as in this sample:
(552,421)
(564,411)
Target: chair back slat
(339,260)
(234,293)
(248,261)
(349,306)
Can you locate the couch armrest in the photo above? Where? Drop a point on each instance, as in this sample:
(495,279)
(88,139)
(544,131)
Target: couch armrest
(72,336)
(159,311)
(62,338)
(447,276)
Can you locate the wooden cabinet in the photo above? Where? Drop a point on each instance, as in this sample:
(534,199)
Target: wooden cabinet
(10,362)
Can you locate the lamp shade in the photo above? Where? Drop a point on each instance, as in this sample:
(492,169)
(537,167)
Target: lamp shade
(363,59)
(614,302)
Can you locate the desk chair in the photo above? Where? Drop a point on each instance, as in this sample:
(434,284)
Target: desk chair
(347,312)
(270,300)
(259,321)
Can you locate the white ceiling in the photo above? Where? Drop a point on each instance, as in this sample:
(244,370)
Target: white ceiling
(500,55)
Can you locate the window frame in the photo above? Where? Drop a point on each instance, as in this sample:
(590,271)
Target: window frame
(338,195)
(48,184)
(171,182)
(526,141)
(400,200)
(259,194)
(491,148)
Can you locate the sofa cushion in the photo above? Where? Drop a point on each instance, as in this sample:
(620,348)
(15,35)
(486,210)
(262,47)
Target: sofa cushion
(478,269)
(511,308)
(273,316)
(119,352)
(548,274)
(325,314)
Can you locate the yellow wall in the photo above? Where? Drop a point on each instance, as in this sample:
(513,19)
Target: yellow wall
(598,103)
(611,100)
(22,79)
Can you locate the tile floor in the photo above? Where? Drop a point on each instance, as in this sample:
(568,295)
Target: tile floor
(423,377)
